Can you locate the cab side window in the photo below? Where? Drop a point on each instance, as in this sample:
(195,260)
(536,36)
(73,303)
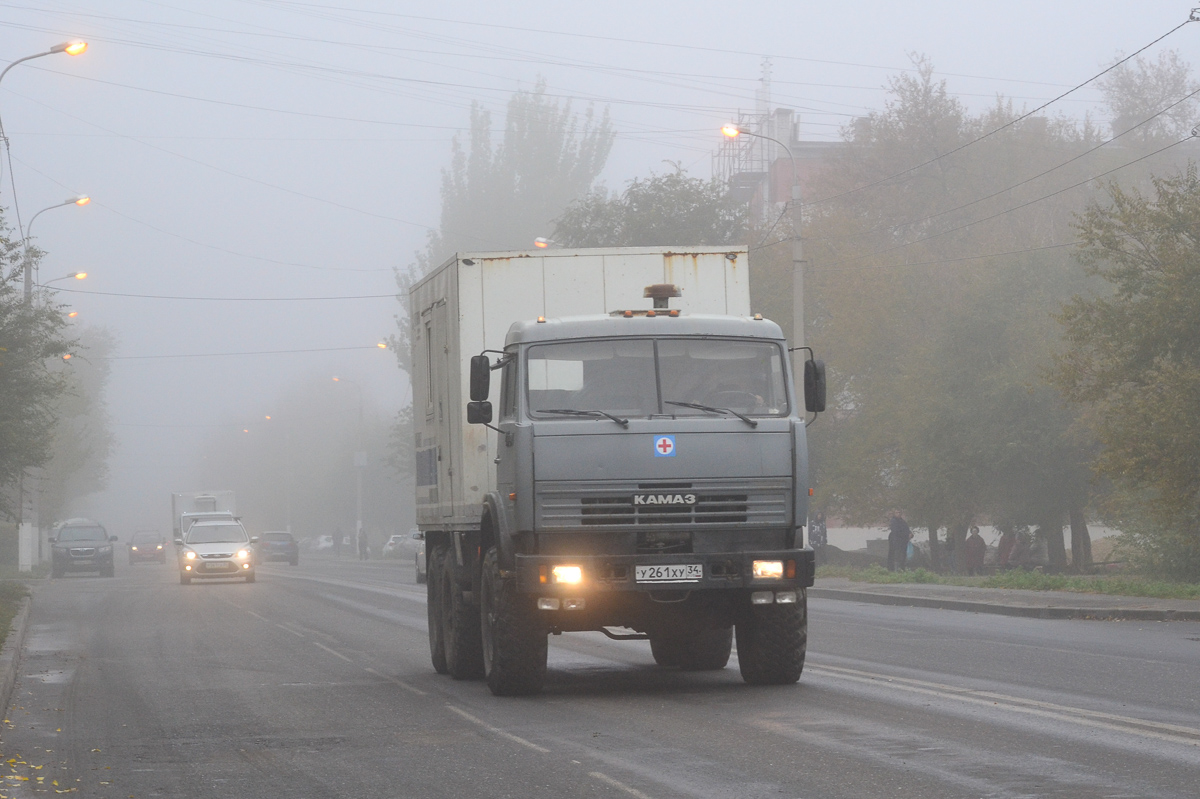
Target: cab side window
(508,391)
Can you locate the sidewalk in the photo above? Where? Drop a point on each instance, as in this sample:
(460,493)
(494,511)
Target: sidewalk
(1010,602)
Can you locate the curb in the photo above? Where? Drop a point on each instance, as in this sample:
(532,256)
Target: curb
(10,655)
(1029,612)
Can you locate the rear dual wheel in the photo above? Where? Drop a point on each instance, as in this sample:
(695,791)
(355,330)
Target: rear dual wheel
(460,623)
(433,606)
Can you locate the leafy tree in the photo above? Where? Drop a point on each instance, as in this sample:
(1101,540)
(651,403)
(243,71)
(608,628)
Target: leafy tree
(661,210)
(937,347)
(32,341)
(1140,89)
(1132,356)
(83,439)
(504,198)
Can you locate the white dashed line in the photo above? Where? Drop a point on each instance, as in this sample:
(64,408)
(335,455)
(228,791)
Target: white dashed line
(401,683)
(332,651)
(498,731)
(617,784)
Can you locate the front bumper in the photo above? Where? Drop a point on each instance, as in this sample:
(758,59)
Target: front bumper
(159,555)
(202,568)
(607,573)
(65,560)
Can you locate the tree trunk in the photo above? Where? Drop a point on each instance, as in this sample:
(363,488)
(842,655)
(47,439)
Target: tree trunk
(935,555)
(1056,550)
(955,536)
(1081,542)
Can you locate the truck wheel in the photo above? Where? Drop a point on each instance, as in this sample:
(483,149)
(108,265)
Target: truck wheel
(460,625)
(698,649)
(433,607)
(771,642)
(514,641)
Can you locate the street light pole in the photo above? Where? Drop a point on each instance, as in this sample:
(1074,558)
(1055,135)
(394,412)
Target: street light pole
(733,131)
(81,200)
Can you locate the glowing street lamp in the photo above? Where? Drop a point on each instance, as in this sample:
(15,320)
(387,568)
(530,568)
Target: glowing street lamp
(732,131)
(81,200)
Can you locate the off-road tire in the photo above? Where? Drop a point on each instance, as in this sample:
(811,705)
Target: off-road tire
(184,579)
(771,642)
(433,608)
(514,639)
(697,649)
(460,625)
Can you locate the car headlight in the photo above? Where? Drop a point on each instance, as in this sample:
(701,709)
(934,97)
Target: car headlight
(134,549)
(105,550)
(190,555)
(242,554)
(159,546)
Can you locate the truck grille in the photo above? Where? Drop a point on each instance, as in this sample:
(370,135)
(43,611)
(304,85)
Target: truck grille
(764,501)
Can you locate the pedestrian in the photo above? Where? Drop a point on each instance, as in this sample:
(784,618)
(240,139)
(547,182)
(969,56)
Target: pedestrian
(337,542)
(818,536)
(899,534)
(1008,540)
(363,551)
(974,551)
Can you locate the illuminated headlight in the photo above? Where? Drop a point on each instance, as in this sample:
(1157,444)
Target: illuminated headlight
(190,555)
(242,554)
(567,574)
(187,568)
(134,549)
(767,569)
(105,550)
(157,547)
(245,565)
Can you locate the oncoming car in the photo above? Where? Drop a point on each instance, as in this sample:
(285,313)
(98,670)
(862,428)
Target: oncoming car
(81,545)
(216,549)
(147,545)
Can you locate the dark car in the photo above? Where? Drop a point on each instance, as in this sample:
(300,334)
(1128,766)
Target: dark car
(147,546)
(81,545)
(278,546)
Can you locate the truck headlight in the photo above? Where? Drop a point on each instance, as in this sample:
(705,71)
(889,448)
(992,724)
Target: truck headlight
(767,569)
(567,574)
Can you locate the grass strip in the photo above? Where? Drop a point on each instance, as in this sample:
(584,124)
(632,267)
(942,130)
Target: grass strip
(11,593)
(1117,584)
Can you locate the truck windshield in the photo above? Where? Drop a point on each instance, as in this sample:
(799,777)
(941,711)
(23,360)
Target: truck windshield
(644,377)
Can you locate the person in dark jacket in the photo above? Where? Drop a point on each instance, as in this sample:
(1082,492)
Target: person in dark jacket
(899,534)
(974,551)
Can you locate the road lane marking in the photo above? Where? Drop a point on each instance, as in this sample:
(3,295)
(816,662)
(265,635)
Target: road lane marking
(617,784)
(332,651)
(260,618)
(401,683)
(290,630)
(497,731)
(1171,733)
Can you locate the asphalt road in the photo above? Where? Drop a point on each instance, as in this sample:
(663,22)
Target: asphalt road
(315,682)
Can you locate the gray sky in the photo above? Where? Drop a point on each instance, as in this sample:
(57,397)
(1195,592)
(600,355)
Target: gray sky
(263,148)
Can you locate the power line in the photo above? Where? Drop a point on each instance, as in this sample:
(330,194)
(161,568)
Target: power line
(227,299)
(1006,125)
(231,354)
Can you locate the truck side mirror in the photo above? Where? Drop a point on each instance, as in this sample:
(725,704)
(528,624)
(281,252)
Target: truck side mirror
(479,412)
(481,379)
(814,386)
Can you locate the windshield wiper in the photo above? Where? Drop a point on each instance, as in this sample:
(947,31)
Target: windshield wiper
(711,409)
(574,412)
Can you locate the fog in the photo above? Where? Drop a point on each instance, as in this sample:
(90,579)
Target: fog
(254,164)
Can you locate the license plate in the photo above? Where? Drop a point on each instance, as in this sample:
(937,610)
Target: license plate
(685,573)
(216,565)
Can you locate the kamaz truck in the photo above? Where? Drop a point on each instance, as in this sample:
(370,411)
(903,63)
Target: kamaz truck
(609,440)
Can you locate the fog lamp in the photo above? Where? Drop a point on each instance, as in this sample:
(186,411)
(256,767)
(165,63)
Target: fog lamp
(573,604)
(245,565)
(767,569)
(785,597)
(187,568)
(762,598)
(547,603)
(567,574)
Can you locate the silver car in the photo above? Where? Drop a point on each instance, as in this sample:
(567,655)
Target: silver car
(216,549)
